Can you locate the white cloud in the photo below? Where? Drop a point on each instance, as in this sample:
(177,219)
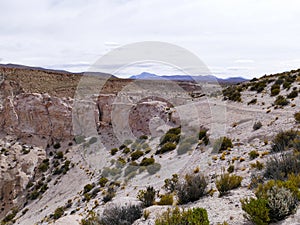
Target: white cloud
(244,61)
(50,32)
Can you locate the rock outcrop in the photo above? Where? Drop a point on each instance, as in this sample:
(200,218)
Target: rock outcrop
(18,163)
(38,117)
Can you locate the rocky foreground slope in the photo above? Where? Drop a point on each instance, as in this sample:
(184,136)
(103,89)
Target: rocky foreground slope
(53,174)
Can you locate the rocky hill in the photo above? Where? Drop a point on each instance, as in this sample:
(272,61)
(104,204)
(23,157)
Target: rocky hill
(147,146)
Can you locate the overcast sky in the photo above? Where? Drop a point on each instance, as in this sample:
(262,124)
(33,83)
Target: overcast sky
(232,37)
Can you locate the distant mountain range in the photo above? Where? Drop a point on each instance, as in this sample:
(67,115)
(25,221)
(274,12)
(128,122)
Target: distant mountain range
(207,78)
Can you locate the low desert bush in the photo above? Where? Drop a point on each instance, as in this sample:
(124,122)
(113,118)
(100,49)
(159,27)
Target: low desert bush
(136,155)
(166,199)
(147,161)
(257,125)
(222,144)
(293,94)
(275,91)
(252,102)
(283,140)
(227,182)
(103,181)
(279,167)
(281,100)
(173,138)
(147,197)
(232,94)
(121,215)
(297,117)
(191,189)
(113,151)
(87,188)
(253,154)
(256,210)
(109,195)
(59,212)
(230,169)
(274,201)
(170,184)
(167,147)
(172,135)
(92,219)
(195,216)
(281,203)
(257,165)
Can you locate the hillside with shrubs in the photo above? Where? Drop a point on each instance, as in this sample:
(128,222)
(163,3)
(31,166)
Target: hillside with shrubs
(248,173)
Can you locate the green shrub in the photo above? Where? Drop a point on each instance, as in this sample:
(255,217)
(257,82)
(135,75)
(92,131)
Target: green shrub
(252,102)
(283,140)
(258,86)
(293,94)
(122,146)
(92,219)
(169,137)
(147,161)
(281,100)
(154,168)
(281,198)
(143,137)
(256,210)
(167,147)
(136,155)
(126,150)
(280,167)
(258,165)
(175,130)
(286,85)
(109,195)
(59,155)
(195,216)
(257,125)
(279,81)
(147,197)
(87,188)
(222,144)
(44,166)
(230,169)
(121,215)
(203,136)
(297,117)
(184,148)
(9,217)
(56,145)
(275,92)
(281,203)
(103,181)
(59,212)
(232,94)
(191,189)
(170,184)
(227,182)
(113,151)
(253,154)
(166,199)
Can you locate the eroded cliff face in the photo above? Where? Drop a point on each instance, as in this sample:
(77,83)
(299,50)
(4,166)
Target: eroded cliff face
(17,168)
(37,117)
